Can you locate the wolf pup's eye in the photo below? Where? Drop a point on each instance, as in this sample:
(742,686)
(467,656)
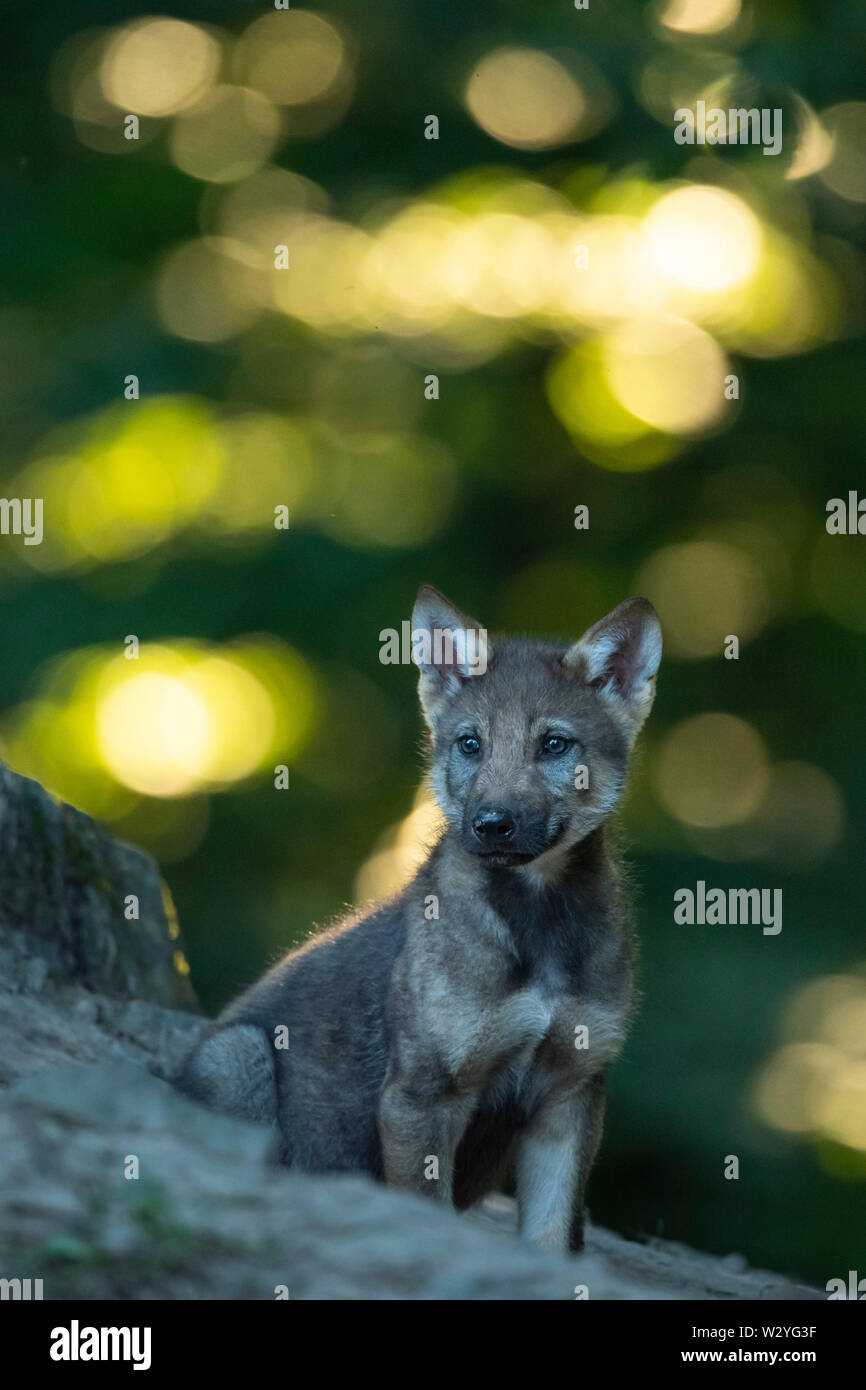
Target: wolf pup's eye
(554,744)
(469,745)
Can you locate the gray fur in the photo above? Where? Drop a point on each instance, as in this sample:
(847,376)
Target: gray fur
(443,1053)
(232,1070)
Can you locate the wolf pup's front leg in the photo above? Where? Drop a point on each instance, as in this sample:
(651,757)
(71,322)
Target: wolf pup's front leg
(554,1158)
(420,1127)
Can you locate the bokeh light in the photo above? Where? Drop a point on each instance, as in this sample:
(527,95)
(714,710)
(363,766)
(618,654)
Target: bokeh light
(291,58)
(815,145)
(409,485)
(790,1090)
(668,373)
(155,734)
(124,479)
(700,16)
(844,172)
(262,210)
(207,290)
(226,136)
(526,99)
(801,818)
(269,462)
(174,721)
(703,238)
(815,1086)
(797,823)
(581,396)
(157,67)
(704,591)
(77,90)
(711,770)
(400,851)
(325,285)
(680,77)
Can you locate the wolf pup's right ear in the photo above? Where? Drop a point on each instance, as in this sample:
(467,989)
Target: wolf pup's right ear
(619,656)
(447,647)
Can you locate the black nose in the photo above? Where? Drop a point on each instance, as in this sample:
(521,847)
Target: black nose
(492,826)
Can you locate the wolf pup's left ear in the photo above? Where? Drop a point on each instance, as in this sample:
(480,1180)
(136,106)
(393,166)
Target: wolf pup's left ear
(447,647)
(619,656)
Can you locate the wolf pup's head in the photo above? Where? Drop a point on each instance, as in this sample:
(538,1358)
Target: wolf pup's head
(531,740)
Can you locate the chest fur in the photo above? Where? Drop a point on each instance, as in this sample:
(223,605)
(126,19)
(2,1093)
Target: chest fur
(532,1039)
(501,991)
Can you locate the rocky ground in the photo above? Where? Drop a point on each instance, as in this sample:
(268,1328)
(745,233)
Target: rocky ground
(95,1012)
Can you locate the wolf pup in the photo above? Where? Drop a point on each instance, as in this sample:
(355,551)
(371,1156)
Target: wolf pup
(457,1038)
